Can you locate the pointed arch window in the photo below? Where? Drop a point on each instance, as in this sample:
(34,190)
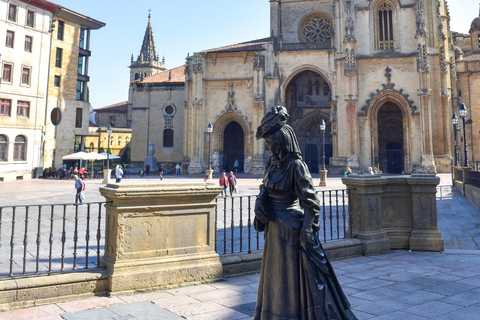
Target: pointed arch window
(384,35)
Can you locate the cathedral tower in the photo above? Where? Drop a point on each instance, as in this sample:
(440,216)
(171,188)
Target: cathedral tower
(475,34)
(148,62)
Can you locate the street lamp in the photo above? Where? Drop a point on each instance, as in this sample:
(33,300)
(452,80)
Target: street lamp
(322,127)
(455,123)
(323,172)
(209,130)
(463,113)
(109,132)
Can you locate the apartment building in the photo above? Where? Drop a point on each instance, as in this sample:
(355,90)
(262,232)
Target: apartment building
(68,107)
(25,42)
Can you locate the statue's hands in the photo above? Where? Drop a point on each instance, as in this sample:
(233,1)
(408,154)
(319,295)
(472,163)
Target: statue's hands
(306,239)
(260,210)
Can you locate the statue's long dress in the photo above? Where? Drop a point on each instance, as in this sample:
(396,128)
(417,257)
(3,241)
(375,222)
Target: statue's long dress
(295,284)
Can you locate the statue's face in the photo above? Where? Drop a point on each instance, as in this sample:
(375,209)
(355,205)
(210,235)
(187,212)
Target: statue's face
(273,147)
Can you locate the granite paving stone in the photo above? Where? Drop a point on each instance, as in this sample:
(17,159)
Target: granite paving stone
(418,297)
(466,299)
(432,309)
(197,308)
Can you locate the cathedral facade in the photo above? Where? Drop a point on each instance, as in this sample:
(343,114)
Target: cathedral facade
(378,72)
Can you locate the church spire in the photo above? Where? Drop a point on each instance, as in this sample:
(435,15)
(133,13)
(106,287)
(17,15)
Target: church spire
(148,52)
(148,63)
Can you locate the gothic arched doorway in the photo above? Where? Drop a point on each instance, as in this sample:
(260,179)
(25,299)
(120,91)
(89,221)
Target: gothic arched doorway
(390,139)
(308,99)
(233,146)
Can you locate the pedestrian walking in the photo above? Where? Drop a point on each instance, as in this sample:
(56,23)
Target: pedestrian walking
(223,181)
(147,169)
(160,172)
(177,169)
(236,165)
(79,187)
(118,174)
(232,182)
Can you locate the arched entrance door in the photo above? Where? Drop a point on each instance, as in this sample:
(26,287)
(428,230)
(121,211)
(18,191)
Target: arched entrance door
(233,147)
(308,101)
(390,139)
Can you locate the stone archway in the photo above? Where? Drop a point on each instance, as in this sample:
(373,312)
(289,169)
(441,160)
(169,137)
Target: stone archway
(233,147)
(231,138)
(390,139)
(308,101)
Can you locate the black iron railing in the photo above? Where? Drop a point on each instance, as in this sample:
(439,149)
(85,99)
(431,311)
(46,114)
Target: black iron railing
(234,221)
(43,239)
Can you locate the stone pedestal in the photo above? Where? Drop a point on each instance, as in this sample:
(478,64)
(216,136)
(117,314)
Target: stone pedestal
(160,236)
(425,235)
(323,178)
(366,203)
(400,209)
(152,162)
(106,175)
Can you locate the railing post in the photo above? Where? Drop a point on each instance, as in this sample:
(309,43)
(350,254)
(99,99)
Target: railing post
(160,235)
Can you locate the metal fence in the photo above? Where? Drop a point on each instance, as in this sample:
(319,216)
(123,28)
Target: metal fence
(234,221)
(41,239)
(44,239)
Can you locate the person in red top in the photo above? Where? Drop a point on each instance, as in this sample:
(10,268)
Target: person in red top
(232,182)
(223,181)
(82,172)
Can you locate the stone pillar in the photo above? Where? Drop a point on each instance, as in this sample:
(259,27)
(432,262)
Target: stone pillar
(160,236)
(366,203)
(465,178)
(106,175)
(425,235)
(323,178)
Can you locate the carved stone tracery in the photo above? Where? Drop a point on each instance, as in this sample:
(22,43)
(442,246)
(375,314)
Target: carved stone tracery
(388,88)
(317,29)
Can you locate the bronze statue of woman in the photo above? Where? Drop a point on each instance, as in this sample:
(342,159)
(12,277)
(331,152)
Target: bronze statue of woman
(296,279)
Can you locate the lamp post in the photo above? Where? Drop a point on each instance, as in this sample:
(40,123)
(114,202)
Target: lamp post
(463,113)
(455,123)
(323,172)
(107,172)
(209,172)
(109,132)
(322,128)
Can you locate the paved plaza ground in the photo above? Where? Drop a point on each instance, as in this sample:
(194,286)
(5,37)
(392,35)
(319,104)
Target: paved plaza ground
(397,285)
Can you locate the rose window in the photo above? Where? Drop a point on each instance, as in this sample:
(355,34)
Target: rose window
(317,29)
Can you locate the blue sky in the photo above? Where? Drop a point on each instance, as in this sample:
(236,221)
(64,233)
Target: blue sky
(181,27)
